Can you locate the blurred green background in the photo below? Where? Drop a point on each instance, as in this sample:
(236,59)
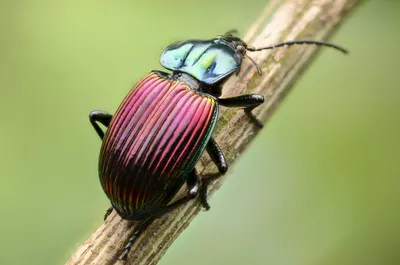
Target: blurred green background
(318,186)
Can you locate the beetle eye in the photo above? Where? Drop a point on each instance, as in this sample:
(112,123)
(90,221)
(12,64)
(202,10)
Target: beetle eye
(240,48)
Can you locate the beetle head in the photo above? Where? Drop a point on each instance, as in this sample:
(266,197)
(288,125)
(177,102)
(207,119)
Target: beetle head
(240,46)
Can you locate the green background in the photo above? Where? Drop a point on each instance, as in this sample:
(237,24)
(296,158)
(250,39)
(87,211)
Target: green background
(318,186)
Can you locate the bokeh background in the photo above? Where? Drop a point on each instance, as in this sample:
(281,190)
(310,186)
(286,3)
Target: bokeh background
(318,186)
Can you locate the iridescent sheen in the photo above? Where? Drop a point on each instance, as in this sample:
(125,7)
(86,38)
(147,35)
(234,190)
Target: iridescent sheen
(207,61)
(153,141)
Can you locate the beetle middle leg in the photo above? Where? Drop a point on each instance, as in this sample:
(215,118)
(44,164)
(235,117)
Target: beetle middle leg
(217,156)
(102,117)
(248,102)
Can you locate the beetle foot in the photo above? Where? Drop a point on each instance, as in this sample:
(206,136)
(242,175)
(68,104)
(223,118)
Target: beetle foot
(124,256)
(206,180)
(253,118)
(203,198)
(127,248)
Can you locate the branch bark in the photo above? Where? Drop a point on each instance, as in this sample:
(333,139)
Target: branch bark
(295,19)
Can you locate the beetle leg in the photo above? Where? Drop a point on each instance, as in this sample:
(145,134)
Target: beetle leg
(248,102)
(194,188)
(139,228)
(193,184)
(142,225)
(108,212)
(202,190)
(217,156)
(102,117)
(205,182)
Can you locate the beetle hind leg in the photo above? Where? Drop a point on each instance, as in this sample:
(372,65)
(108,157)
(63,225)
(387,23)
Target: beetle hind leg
(157,213)
(139,228)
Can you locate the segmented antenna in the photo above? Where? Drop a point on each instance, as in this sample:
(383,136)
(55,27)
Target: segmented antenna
(289,43)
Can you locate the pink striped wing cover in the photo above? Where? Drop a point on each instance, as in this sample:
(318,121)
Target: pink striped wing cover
(155,138)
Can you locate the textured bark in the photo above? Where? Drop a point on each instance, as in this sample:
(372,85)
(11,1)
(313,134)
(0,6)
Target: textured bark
(294,19)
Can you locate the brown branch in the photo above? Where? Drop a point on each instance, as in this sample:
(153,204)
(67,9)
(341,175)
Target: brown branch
(295,19)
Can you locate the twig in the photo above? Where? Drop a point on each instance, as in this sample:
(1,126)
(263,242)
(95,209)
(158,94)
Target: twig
(295,19)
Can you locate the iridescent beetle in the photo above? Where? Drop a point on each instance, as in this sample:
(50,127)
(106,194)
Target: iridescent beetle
(166,122)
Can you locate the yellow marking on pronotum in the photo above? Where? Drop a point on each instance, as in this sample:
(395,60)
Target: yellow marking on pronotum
(206,61)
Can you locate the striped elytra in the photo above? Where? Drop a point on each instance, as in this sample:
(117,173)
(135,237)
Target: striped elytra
(153,142)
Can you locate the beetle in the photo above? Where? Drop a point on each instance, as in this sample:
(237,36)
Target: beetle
(164,124)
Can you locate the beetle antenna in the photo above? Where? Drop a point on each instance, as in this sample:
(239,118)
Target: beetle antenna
(289,43)
(258,67)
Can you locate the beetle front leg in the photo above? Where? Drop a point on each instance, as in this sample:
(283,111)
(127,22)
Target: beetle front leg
(248,102)
(102,117)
